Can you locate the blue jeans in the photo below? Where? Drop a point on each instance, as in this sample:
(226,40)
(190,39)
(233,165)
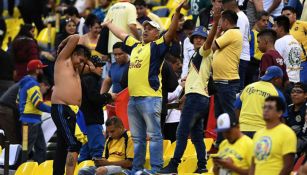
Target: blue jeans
(94,146)
(144,117)
(194,111)
(303,72)
(242,72)
(224,100)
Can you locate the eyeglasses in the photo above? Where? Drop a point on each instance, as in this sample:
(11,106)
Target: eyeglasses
(298,91)
(269,107)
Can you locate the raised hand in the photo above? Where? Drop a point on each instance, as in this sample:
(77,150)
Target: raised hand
(178,9)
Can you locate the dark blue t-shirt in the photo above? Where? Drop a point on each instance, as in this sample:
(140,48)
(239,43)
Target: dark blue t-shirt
(115,73)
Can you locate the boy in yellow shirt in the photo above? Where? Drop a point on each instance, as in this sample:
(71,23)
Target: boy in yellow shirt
(274,145)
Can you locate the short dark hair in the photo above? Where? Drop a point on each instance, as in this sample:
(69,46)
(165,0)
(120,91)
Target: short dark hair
(91,20)
(188,25)
(115,121)
(283,21)
(280,104)
(82,50)
(118,45)
(260,14)
(72,11)
(171,58)
(230,16)
(140,3)
(291,9)
(301,86)
(269,33)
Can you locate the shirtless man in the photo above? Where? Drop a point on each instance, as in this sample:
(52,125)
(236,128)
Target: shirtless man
(67,92)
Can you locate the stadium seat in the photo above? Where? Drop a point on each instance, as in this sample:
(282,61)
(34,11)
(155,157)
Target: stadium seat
(172,4)
(45,168)
(166,22)
(189,151)
(162,12)
(190,165)
(83,164)
(208,143)
(166,145)
(46,36)
(27,168)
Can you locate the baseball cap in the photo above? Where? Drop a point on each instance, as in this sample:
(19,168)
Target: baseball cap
(35,64)
(199,31)
(272,72)
(225,122)
(153,24)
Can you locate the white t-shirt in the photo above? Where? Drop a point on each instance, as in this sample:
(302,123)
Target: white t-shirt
(243,24)
(188,51)
(289,48)
(81,26)
(267,4)
(173,115)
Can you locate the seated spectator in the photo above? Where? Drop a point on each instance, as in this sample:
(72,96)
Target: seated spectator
(250,103)
(296,116)
(72,13)
(118,152)
(234,155)
(266,40)
(117,70)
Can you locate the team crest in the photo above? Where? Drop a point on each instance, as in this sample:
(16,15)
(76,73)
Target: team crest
(263,148)
(298,118)
(296,28)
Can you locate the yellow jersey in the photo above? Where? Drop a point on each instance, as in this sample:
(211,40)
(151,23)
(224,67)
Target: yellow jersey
(226,59)
(254,50)
(251,102)
(199,73)
(118,150)
(299,32)
(270,145)
(144,75)
(122,14)
(239,152)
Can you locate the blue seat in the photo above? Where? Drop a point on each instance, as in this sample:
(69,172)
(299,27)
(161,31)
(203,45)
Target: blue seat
(162,12)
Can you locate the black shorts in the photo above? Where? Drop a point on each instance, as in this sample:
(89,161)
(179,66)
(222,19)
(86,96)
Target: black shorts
(65,121)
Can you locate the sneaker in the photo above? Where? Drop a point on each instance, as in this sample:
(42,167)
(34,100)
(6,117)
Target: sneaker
(171,168)
(148,172)
(201,170)
(126,172)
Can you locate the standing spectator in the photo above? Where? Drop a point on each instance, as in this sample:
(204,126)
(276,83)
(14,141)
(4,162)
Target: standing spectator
(228,48)
(299,32)
(274,145)
(196,105)
(91,106)
(252,98)
(234,155)
(296,116)
(72,13)
(24,49)
(288,48)
(118,153)
(123,15)
(144,107)
(33,15)
(244,27)
(188,47)
(262,21)
(117,70)
(9,116)
(253,8)
(144,14)
(266,41)
(273,7)
(31,106)
(6,67)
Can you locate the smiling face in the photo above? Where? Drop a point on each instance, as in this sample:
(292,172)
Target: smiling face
(70,28)
(95,29)
(150,33)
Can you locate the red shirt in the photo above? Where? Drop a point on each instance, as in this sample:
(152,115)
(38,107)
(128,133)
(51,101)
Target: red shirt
(273,58)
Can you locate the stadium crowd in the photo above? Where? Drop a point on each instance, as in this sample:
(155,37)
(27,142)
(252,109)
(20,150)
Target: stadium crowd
(174,69)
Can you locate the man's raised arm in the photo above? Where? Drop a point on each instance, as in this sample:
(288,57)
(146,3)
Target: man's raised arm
(67,46)
(119,33)
(170,34)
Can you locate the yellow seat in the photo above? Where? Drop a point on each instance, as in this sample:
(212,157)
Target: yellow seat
(45,168)
(46,36)
(190,166)
(208,143)
(83,164)
(172,4)
(27,168)
(158,7)
(166,21)
(166,145)
(189,151)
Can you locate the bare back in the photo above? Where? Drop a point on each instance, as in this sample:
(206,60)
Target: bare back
(67,85)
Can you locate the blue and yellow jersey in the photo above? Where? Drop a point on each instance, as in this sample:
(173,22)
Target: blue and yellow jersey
(30,101)
(251,103)
(144,76)
(255,53)
(299,32)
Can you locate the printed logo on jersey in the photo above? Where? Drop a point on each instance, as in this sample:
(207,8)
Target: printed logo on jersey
(263,148)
